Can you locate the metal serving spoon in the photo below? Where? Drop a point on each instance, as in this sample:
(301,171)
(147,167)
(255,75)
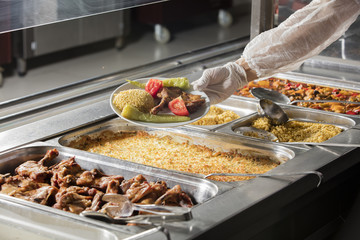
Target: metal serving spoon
(123,207)
(273,111)
(122,211)
(264,93)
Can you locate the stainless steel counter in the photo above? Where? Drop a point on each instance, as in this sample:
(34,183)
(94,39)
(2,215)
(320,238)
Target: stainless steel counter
(247,210)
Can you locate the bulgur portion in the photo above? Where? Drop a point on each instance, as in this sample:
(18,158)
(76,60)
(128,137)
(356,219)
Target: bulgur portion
(138,98)
(217,116)
(164,152)
(297,131)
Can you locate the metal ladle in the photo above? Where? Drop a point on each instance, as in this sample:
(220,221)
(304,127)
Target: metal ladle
(264,93)
(273,111)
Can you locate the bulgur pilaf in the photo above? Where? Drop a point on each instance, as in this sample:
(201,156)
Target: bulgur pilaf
(297,131)
(216,116)
(138,98)
(164,152)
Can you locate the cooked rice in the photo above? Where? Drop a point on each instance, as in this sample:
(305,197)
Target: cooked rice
(138,98)
(216,116)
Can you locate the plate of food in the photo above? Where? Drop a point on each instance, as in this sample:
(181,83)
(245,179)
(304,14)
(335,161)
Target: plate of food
(159,102)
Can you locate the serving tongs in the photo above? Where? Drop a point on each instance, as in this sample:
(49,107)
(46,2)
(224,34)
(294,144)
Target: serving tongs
(122,210)
(318,174)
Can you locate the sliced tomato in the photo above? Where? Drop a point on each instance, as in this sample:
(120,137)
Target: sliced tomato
(177,107)
(351,113)
(153,86)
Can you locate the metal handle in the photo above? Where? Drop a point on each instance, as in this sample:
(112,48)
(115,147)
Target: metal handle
(161,210)
(319,174)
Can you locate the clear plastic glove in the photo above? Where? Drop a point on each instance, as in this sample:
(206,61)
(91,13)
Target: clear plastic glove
(219,83)
(304,34)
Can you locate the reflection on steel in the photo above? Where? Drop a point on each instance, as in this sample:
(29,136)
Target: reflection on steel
(21,14)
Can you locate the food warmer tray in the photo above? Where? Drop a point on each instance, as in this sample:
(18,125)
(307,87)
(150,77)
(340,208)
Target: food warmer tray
(39,216)
(241,107)
(277,153)
(349,124)
(315,80)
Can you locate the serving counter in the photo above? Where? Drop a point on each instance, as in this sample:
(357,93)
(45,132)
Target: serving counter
(286,207)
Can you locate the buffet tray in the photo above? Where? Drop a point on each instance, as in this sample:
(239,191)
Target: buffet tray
(36,217)
(314,80)
(241,107)
(344,122)
(219,142)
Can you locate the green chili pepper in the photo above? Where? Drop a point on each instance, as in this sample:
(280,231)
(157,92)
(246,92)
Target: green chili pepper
(132,113)
(181,82)
(138,84)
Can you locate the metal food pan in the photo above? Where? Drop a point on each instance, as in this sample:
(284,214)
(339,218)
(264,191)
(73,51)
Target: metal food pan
(314,80)
(240,107)
(200,190)
(218,142)
(343,122)
(44,222)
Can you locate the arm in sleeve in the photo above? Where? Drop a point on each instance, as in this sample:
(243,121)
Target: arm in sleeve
(304,34)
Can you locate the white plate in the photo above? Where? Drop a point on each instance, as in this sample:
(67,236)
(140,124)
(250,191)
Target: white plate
(202,111)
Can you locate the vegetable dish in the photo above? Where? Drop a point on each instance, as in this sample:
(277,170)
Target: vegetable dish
(303,91)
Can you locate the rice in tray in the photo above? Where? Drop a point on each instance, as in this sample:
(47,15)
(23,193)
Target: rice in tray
(297,131)
(216,116)
(164,152)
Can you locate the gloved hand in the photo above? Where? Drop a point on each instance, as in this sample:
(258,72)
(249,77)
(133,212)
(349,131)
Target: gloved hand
(219,83)
(304,34)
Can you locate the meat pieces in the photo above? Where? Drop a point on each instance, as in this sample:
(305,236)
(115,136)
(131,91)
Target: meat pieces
(73,199)
(175,197)
(167,94)
(68,187)
(65,173)
(98,180)
(28,189)
(36,169)
(192,102)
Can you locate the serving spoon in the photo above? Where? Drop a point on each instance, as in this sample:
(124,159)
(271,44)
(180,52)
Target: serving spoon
(123,207)
(121,210)
(275,96)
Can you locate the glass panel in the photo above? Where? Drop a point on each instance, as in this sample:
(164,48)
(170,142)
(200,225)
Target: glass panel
(20,14)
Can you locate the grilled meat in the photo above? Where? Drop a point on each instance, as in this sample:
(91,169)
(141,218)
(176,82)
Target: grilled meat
(73,199)
(68,187)
(28,189)
(98,180)
(167,94)
(126,184)
(192,102)
(65,173)
(157,190)
(36,169)
(175,197)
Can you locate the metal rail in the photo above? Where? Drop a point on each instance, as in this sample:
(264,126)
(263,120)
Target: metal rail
(37,106)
